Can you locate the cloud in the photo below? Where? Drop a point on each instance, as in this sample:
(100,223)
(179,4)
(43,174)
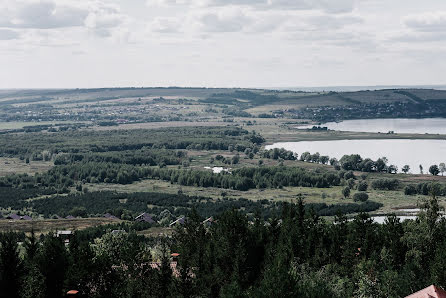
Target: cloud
(43,15)
(6,34)
(328,22)
(329,6)
(223,20)
(165,25)
(93,15)
(427,22)
(417,37)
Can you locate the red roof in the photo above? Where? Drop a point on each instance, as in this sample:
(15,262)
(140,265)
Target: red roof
(72,292)
(175,254)
(429,292)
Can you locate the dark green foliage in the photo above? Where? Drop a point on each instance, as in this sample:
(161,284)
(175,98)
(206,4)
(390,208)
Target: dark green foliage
(386,184)
(350,162)
(434,170)
(15,198)
(277,153)
(323,209)
(52,261)
(247,178)
(410,190)
(423,188)
(98,203)
(362,186)
(349,175)
(11,265)
(209,138)
(148,157)
(360,197)
(346,192)
(295,254)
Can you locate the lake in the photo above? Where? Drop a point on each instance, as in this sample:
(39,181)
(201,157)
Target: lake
(382,219)
(398,152)
(420,126)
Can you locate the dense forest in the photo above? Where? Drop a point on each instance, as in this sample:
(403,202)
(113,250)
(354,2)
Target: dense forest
(293,254)
(163,207)
(38,145)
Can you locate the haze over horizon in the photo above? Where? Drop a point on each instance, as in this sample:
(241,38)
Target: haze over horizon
(234,43)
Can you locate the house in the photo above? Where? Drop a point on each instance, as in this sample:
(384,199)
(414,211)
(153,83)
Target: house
(70,217)
(115,232)
(429,292)
(13,216)
(110,216)
(66,233)
(26,217)
(208,222)
(65,236)
(72,293)
(180,221)
(144,217)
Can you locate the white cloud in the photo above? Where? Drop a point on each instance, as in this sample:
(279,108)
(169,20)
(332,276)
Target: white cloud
(223,20)
(166,25)
(150,41)
(329,6)
(43,15)
(427,22)
(6,34)
(93,15)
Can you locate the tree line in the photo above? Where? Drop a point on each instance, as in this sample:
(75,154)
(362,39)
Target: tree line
(295,254)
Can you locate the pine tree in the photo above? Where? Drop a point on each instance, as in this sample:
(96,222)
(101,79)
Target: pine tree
(11,266)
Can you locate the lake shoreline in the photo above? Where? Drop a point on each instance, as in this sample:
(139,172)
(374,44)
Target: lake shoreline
(400,152)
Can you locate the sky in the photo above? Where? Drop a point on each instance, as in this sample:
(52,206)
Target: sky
(221,43)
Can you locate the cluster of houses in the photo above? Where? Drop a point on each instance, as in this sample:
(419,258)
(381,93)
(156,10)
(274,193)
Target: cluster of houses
(143,217)
(14,216)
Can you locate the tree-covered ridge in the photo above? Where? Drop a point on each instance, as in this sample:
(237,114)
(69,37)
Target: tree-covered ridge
(218,138)
(294,254)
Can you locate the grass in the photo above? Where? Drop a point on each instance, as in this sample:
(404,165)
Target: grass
(21,124)
(155,125)
(156,231)
(44,226)
(391,200)
(10,166)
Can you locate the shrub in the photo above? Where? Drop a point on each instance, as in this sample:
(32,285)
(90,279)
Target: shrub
(360,197)
(346,192)
(410,190)
(349,175)
(386,184)
(362,186)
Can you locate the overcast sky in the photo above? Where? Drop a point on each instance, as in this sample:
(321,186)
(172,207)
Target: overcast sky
(226,43)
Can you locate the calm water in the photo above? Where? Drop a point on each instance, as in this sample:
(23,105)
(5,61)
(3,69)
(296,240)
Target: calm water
(398,152)
(421,126)
(381,219)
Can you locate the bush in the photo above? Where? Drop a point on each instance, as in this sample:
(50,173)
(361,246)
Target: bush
(351,183)
(386,184)
(346,192)
(349,175)
(410,190)
(360,197)
(362,186)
